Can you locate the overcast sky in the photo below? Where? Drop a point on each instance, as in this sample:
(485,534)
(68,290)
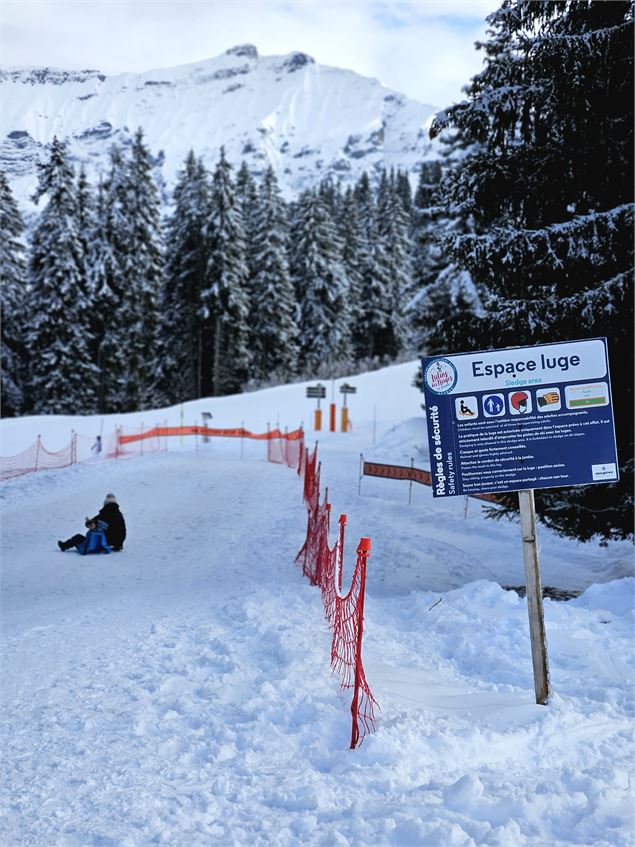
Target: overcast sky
(424,49)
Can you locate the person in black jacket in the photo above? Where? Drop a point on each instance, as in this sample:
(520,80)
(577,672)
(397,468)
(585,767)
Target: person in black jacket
(116,532)
(115,526)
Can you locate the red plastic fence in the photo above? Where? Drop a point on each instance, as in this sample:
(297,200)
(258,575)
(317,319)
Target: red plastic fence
(322,565)
(289,447)
(38,458)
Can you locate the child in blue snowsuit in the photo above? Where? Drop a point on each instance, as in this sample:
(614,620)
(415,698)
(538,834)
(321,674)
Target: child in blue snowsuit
(93,542)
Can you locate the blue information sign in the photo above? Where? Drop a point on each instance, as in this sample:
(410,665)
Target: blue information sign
(522,417)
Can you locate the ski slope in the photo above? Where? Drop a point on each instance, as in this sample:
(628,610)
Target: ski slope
(179,693)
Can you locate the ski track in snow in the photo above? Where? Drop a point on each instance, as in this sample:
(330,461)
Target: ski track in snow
(180,693)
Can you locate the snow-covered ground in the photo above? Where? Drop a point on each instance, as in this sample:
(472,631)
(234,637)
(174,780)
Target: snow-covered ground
(179,693)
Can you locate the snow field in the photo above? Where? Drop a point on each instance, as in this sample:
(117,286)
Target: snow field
(180,693)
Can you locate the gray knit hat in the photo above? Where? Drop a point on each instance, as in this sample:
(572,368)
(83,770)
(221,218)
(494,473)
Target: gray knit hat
(110,498)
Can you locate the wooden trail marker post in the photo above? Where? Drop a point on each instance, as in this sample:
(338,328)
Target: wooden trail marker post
(533,585)
(317,392)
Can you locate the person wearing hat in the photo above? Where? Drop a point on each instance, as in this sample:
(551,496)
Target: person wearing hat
(112,518)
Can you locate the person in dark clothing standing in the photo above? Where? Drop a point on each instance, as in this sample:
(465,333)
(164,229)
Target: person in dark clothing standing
(110,515)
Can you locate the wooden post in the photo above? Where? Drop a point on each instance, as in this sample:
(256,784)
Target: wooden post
(361,474)
(374,423)
(412,464)
(242,439)
(534,596)
(37,451)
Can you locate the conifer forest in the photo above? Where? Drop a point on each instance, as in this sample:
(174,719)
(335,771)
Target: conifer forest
(117,296)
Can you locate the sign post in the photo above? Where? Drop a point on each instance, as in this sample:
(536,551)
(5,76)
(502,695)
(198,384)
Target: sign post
(534,596)
(519,419)
(317,392)
(346,389)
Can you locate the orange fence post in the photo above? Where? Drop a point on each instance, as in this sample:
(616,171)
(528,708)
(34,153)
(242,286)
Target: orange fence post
(317,420)
(332,417)
(363,552)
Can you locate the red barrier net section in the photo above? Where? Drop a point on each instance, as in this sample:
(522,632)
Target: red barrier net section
(286,448)
(38,458)
(322,565)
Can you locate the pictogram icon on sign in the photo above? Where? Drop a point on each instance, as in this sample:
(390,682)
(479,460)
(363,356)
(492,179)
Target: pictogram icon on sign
(548,399)
(466,408)
(520,403)
(493,405)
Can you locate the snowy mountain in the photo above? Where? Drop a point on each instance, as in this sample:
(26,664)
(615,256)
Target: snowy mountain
(308,120)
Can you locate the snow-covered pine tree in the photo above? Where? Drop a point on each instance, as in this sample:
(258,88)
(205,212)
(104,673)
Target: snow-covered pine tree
(62,375)
(321,286)
(107,287)
(187,255)
(355,257)
(393,225)
(143,268)
(273,315)
(404,190)
(247,202)
(224,299)
(442,289)
(12,302)
(373,318)
(550,186)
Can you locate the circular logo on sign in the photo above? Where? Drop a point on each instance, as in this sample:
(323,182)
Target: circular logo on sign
(440,376)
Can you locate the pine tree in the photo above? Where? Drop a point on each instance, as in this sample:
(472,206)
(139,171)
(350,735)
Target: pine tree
(224,301)
(143,269)
(247,203)
(187,255)
(321,286)
(107,286)
(550,187)
(442,290)
(355,253)
(373,319)
(272,325)
(62,375)
(12,302)
(393,226)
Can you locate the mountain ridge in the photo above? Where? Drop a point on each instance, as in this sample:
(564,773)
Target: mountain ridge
(309,121)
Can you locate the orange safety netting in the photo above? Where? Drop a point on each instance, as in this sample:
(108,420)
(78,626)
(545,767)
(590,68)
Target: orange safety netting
(322,565)
(38,458)
(237,432)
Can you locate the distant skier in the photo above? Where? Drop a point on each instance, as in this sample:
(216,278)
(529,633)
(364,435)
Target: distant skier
(115,526)
(96,448)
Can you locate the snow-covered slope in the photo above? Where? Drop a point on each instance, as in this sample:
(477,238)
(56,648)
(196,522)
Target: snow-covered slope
(179,693)
(307,120)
